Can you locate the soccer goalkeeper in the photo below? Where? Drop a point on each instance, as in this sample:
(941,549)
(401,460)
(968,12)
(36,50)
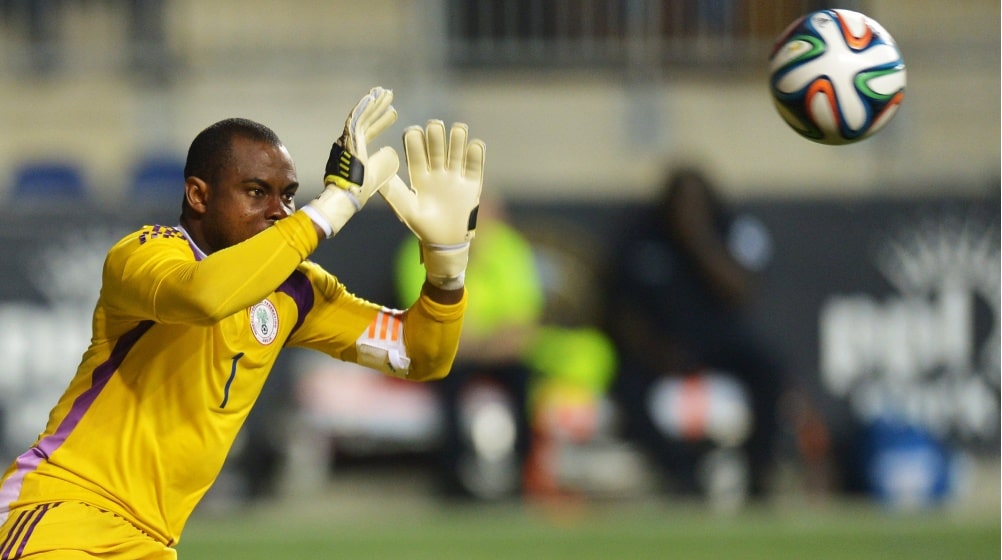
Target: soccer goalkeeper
(191,318)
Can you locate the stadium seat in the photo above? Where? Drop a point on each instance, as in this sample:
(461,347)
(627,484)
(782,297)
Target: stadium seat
(157,178)
(49,180)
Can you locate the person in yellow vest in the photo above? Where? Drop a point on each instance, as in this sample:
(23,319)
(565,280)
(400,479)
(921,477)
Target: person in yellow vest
(502,318)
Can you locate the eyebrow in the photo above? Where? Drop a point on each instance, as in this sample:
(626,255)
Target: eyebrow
(266,185)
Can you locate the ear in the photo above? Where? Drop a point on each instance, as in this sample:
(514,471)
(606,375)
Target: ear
(196,194)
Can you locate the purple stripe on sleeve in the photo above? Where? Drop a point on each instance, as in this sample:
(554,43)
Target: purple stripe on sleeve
(14,534)
(29,460)
(298,287)
(31,529)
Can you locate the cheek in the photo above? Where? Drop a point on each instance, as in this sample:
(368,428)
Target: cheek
(249,223)
(252,220)
(237,224)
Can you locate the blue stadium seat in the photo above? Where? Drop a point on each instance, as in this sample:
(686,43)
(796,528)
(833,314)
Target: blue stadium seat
(49,180)
(157,178)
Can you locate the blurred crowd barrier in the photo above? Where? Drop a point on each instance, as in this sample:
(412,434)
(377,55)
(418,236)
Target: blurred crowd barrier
(888,308)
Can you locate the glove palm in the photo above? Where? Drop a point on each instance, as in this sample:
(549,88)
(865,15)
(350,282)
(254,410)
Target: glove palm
(441,204)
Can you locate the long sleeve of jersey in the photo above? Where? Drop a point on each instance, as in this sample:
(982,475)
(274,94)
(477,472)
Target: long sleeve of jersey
(170,287)
(431,334)
(428,332)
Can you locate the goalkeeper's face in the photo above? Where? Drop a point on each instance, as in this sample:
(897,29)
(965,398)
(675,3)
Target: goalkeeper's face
(255,189)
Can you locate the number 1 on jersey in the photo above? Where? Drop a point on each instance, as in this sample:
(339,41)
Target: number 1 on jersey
(233,373)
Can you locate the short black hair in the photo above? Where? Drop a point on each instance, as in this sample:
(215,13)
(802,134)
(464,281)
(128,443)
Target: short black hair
(211,150)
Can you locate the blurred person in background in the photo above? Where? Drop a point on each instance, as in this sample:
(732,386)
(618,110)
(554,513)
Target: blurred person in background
(191,319)
(679,293)
(487,432)
(533,368)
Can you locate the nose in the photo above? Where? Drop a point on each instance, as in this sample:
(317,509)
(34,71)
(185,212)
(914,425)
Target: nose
(277,208)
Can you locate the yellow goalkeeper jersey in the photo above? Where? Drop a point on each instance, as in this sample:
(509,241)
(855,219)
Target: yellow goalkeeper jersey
(182,344)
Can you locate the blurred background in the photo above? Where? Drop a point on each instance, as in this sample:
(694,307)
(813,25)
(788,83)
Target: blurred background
(877,264)
(614,88)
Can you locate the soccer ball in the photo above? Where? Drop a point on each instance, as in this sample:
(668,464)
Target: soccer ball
(836,76)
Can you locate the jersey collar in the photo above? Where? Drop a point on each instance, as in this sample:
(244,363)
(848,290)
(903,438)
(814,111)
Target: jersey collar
(199,253)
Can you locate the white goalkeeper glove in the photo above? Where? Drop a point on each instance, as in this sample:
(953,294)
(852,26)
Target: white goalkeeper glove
(373,114)
(351,176)
(441,204)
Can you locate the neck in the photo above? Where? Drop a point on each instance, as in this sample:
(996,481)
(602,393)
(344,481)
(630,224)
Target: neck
(195,237)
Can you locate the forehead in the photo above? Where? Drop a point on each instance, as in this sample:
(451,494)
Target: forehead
(258,159)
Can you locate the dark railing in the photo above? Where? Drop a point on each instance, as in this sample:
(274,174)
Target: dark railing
(631,35)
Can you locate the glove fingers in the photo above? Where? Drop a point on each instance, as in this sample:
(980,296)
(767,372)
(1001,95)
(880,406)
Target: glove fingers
(377,108)
(370,116)
(369,100)
(436,144)
(415,150)
(351,125)
(476,156)
(457,146)
(350,139)
(381,123)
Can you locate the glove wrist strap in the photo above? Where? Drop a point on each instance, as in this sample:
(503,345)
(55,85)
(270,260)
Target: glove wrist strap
(445,265)
(336,206)
(319,220)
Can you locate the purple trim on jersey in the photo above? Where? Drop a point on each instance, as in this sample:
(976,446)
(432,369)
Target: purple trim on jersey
(298,287)
(15,533)
(199,254)
(33,457)
(159,232)
(12,534)
(31,529)
(15,536)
